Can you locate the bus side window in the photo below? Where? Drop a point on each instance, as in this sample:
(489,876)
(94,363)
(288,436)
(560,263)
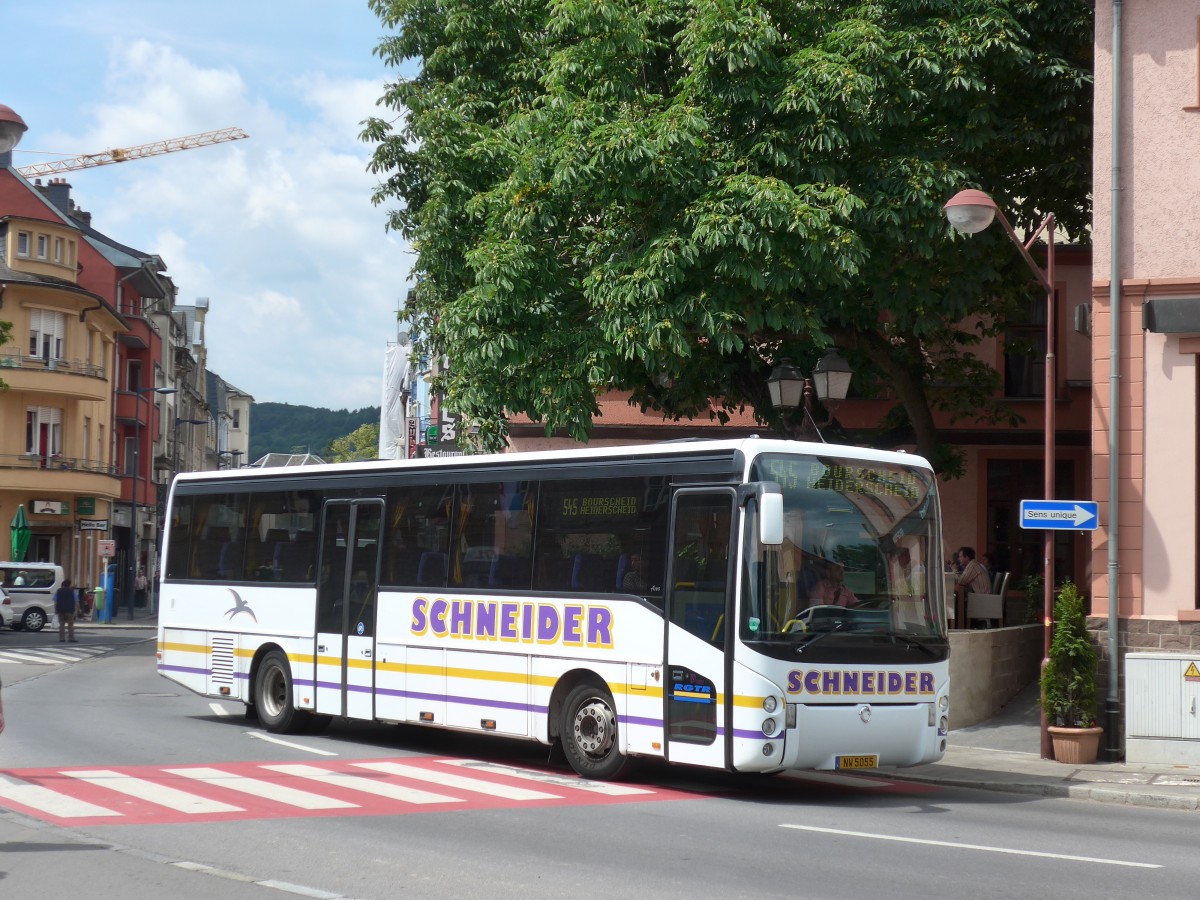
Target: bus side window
(416,539)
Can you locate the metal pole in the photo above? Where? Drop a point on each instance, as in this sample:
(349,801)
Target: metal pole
(131,563)
(1112,700)
(1047,749)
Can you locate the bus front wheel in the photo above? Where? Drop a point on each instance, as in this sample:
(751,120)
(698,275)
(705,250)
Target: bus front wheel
(589,733)
(273,695)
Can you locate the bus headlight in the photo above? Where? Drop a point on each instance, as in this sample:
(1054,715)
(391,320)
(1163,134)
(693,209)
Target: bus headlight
(768,727)
(770,704)
(944,702)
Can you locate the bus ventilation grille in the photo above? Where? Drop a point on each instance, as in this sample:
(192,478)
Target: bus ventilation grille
(221,662)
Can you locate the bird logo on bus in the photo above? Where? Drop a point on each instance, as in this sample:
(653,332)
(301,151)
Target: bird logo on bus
(239,606)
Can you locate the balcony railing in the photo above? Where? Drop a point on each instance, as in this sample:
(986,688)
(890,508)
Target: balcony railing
(11,359)
(54,462)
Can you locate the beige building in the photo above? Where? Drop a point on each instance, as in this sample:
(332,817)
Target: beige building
(56,447)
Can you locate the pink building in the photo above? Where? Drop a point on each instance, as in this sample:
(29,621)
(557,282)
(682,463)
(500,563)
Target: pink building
(1147,264)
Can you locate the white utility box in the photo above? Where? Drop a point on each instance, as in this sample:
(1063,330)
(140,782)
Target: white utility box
(1162,708)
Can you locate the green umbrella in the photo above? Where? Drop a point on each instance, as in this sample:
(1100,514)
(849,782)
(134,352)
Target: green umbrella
(20,534)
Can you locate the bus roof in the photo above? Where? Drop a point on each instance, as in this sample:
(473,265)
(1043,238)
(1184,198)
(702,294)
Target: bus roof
(749,447)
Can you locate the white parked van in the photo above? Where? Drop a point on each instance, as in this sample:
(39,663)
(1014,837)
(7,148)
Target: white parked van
(29,594)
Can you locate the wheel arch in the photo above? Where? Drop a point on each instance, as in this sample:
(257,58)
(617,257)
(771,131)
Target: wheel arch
(259,654)
(567,683)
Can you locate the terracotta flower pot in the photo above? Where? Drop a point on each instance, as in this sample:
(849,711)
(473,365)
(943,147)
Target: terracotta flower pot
(1077,746)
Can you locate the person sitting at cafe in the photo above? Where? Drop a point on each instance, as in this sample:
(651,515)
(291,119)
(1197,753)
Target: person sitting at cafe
(973,579)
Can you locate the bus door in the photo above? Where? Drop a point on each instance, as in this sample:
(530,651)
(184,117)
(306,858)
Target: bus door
(346,600)
(698,608)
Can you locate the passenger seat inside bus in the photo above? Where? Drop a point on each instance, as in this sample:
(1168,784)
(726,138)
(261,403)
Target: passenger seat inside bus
(591,573)
(431,571)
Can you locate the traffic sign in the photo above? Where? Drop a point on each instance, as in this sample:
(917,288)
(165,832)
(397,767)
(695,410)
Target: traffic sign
(1063,515)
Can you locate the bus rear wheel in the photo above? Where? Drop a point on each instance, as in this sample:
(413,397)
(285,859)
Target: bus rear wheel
(273,696)
(588,732)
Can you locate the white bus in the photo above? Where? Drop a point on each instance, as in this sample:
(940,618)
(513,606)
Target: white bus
(753,605)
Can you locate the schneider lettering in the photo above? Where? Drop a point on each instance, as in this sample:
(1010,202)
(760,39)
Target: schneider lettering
(516,621)
(818,682)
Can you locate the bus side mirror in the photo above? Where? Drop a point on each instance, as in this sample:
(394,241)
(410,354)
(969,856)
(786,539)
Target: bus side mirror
(770,518)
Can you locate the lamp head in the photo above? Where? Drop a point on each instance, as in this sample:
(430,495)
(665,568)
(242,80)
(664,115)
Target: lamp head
(831,377)
(12,126)
(786,386)
(970,211)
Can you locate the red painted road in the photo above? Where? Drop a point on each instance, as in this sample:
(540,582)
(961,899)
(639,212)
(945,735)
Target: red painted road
(222,792)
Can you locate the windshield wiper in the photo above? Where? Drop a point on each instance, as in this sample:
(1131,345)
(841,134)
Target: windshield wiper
(913,642)
(816,636)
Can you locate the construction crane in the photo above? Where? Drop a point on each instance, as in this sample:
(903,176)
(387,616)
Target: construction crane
(140,151)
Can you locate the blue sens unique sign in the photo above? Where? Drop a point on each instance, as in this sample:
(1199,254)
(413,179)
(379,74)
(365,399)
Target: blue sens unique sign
(819,682)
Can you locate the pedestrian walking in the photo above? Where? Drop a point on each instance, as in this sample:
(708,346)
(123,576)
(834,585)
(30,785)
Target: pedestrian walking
(139,589)
(65,605)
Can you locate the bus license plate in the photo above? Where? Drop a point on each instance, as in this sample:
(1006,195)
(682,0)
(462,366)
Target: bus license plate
(858,762)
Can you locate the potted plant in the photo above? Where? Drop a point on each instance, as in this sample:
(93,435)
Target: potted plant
(1069,681)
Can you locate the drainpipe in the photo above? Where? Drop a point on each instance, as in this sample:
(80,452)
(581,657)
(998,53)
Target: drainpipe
(1112,703)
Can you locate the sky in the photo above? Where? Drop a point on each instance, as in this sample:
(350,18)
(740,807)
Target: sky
(278,231)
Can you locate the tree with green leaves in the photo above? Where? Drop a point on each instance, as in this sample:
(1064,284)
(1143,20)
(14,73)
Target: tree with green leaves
(670,196)
(362,443)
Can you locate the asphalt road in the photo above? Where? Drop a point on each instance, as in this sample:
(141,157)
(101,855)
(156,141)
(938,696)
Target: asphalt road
(154,791)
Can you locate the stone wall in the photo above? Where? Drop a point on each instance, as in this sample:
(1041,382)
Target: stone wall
(988,667)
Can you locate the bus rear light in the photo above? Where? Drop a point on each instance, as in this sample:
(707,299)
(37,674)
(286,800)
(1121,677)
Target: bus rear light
(487,724)
(426,717)
(224,690)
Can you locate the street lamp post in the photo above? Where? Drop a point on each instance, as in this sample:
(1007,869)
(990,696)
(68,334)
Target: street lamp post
(969,212)
(790,390)
(131,563)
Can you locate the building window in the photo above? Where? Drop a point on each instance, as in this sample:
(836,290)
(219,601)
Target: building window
(43,431)
(23,243)
(1013,548)
(237,418)
(47,332)
(1025,353)
(43,246)
(130,451)
(58,250)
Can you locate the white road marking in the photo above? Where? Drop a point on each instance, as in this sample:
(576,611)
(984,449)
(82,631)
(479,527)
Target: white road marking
(984,847)
(454,780)
(268,790)
(159,794)
(566,781)
(50,802)
(282,743)
(364,784)
(220,709)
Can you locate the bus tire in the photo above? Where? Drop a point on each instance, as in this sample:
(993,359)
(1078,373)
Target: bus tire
(273,696)
(589,735)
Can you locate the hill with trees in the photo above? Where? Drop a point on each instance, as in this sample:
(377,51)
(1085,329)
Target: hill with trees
(284,428)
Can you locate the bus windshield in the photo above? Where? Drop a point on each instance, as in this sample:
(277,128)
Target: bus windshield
(860,556)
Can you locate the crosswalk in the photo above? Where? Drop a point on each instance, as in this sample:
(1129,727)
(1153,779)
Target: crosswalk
(58,654)
(146,795)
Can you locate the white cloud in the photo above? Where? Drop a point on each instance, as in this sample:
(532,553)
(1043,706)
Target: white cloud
(277,230)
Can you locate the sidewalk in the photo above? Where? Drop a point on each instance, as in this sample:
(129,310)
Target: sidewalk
(143,618)
(1003,754)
